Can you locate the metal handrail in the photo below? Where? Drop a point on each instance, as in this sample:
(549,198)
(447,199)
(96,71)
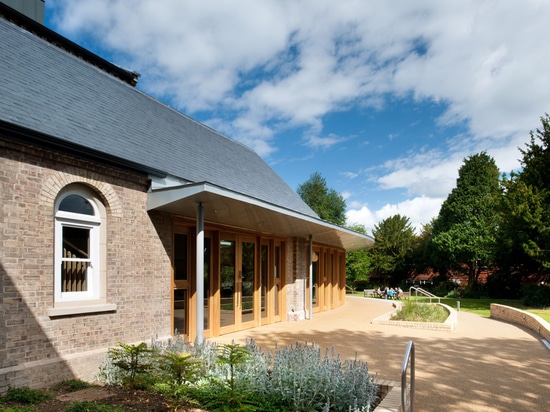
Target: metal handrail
(409,359)
(423,292)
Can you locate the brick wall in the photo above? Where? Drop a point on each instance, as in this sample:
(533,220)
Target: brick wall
(34,347)
(522,318)
(296,274)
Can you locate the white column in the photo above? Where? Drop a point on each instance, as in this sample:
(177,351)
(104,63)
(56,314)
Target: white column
(200,274)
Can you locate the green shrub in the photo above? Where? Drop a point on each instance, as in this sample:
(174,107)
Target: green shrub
(135,364)
(247,378)
(421,312)
(453,294)
(26,396)
(72,385)
(179,367)
(503,285)
(536,296)
(304,381)
(86,406)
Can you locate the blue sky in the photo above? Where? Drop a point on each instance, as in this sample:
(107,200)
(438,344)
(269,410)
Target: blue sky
(384,98)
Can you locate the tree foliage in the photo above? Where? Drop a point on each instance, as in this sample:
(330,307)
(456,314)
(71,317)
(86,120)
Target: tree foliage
(358,263)
(327,203)
(464,233)
(393,241)
(525,230)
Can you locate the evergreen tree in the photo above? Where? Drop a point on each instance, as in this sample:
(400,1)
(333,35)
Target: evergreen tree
(327,203)
(393,241)
(525,231)
(464,233)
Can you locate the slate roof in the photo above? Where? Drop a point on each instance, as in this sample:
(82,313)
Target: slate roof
(51,91)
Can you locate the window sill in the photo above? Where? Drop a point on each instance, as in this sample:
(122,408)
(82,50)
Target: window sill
(78,310)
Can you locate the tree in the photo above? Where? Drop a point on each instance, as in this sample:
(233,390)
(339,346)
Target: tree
(393,241)
(525,232)
(419,260)
(464,233)
(327,203)
(358,263)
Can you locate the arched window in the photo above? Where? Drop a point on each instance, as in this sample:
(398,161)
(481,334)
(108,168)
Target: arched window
(80,273)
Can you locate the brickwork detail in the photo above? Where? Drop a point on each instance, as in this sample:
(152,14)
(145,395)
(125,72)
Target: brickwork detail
(296,279)
(522,318)
(53,185)
(34,347)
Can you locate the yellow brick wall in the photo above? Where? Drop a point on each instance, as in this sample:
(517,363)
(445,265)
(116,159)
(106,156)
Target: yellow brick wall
(34,347)
(522,318)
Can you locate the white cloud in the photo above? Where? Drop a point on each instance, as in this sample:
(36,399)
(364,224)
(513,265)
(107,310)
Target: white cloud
(482,58)
(419,210)
(259,68)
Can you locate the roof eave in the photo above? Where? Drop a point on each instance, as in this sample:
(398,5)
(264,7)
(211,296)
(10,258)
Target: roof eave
(226,207)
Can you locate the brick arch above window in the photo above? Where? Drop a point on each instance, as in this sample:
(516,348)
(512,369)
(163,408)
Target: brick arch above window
(53,185)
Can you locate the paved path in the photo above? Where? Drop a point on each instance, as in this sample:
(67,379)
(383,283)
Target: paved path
(483,365)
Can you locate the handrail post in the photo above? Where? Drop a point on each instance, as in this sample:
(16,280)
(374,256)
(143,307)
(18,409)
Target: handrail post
(409,357)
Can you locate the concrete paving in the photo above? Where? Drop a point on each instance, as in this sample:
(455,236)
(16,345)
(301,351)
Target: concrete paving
(483,365)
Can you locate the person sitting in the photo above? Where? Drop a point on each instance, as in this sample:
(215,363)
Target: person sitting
(379,292)
(391,293)
(398,293)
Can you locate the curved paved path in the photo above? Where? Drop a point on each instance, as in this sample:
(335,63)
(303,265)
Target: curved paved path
(483,365)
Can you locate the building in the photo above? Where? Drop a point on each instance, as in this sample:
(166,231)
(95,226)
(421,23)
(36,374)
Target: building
(122,219)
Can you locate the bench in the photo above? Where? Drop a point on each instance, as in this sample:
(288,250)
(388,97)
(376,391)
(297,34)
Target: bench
(370,293)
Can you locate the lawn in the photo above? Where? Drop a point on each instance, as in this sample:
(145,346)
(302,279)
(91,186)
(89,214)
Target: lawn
(483,306)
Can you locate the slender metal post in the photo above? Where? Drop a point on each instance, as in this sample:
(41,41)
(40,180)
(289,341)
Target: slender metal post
(310,277)
(200,274)
(409,359)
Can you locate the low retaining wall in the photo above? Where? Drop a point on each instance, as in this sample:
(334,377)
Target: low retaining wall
(522,318)
(448,325)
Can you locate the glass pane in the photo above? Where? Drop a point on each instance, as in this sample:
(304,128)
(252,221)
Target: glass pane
(247,292)
(74,273)
(277,281)
(314,283)
(276,263)
(180,257)
(76,242)
(276,299)
(180,312)
(207,254)
(74,276)
(227,274)
(263,286)
(76,204)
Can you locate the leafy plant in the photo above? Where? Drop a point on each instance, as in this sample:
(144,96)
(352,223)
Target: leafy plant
(26,396)
(536,296)
(180,367)
(19,409)
(135,361)
(421,312)
(73,385)
(233,356)
(86,406)
(305,381)
(247,378)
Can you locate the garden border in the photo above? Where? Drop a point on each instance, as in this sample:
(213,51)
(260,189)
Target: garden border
(449,324)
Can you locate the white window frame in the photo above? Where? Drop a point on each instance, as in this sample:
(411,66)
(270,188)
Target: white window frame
(94,298)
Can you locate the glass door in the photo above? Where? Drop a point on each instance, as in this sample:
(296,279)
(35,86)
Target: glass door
(180,285)
(237,282)
(316,280)
(227,282)
(247,281)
